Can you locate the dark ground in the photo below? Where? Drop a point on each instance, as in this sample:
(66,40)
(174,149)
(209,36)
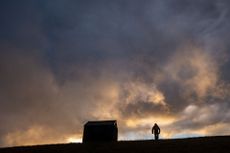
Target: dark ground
(220,144)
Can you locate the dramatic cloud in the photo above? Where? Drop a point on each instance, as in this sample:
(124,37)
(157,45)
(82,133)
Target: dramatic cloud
(66,62)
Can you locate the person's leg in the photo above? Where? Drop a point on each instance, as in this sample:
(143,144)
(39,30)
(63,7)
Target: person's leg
(156,136)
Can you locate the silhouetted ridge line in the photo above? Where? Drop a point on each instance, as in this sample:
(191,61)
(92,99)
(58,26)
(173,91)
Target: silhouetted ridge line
(217,144)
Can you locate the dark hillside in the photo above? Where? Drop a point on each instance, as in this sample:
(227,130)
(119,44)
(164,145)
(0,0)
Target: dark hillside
(219,144)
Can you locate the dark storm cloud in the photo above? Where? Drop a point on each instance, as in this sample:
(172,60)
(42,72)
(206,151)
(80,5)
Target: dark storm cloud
(209,115)
(67,62)
(142,109)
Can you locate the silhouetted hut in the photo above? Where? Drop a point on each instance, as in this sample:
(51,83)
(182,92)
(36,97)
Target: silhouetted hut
(100,131)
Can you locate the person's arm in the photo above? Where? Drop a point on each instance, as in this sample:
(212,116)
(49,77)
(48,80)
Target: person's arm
(152,130)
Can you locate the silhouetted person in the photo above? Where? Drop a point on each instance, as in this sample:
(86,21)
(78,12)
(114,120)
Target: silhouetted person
(156,130)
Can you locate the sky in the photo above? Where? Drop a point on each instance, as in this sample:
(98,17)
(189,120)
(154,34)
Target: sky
(66,62)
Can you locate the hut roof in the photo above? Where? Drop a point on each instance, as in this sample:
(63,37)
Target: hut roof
(105,122)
